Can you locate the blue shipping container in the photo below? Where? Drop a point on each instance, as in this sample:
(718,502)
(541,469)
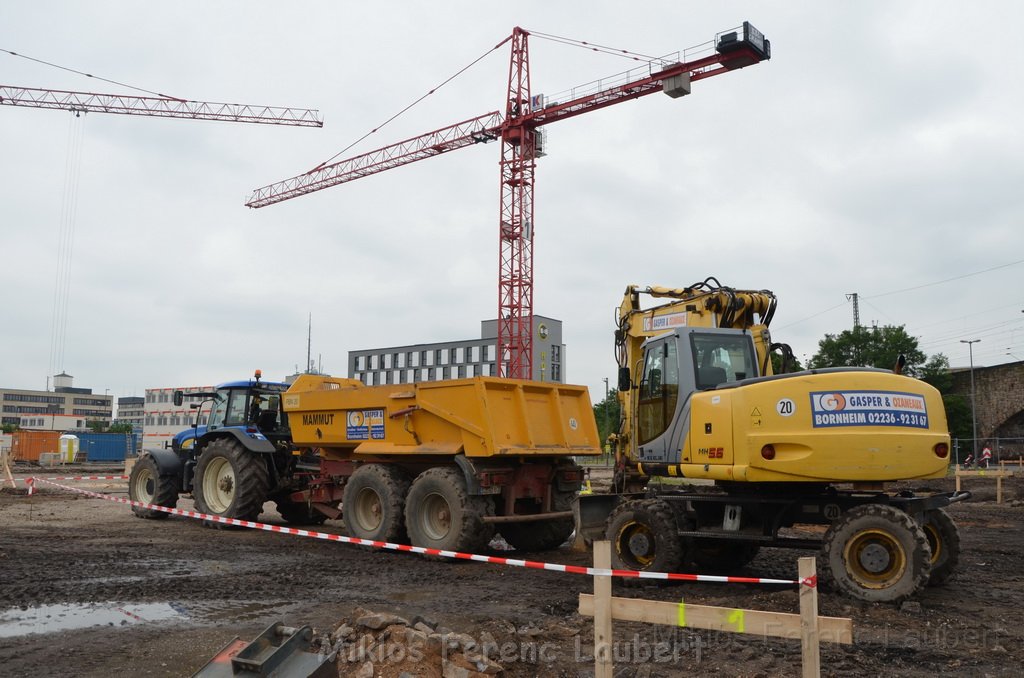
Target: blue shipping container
(105,446)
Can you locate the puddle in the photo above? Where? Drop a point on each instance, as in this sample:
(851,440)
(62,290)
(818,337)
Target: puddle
(51,618)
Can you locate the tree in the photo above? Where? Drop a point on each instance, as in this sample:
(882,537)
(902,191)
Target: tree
(96,425)
(607,412)
(870,347)
(8,428)
(120,427)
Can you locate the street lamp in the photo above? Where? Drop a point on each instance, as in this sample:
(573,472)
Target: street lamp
(974,418)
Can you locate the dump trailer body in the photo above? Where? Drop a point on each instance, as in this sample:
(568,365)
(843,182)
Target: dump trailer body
(480,417)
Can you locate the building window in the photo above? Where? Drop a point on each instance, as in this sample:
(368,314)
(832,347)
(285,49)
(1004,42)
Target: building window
(376,378)
(477,370)
(556,372)
(474,354)
(414,359)
(460,355)
(360,363)
(374,362)
(445,372)
(401,360)
(387,361)
(428,358)
(462,371)
(489,352)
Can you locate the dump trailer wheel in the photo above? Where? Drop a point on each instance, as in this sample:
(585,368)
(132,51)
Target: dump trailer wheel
(299,513)
(645,536)
(877,553)
(373,502)
(944,540)
(714,557)
(147,485)
(441,514)
(545,535)
(231,482)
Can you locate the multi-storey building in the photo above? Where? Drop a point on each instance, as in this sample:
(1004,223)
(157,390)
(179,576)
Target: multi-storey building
(458,359)
(132,410)
(65,407)
(163,419)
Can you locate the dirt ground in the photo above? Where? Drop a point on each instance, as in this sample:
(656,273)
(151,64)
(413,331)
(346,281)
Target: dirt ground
(86,589)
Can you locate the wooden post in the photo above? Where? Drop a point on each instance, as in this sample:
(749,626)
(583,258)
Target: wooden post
(809,618)
(603,666)
(957,474)
(999,488)
(5,462)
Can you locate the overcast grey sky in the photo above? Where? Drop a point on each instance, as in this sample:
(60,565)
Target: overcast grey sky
(880,150)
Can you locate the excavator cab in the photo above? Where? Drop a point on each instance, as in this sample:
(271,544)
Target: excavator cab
(675,365)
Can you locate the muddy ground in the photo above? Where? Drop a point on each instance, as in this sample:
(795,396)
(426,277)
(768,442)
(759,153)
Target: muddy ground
(164,596)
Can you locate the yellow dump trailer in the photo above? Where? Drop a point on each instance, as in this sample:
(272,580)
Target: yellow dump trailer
(446,464)
(479,417)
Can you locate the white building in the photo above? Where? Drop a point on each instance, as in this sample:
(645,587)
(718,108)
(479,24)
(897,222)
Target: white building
(163,419)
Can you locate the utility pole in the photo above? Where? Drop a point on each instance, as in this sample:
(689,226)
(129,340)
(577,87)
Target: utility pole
(974,417)
(853,296)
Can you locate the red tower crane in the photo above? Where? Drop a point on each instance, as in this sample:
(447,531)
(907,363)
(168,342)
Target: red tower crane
(521,145)
(160,107)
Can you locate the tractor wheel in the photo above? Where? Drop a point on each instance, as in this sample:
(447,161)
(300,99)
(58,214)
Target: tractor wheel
(149,487)
(712,557)
(441,514)
(373,502)
(877,553)
(231,482)
(944,540)
(645,536)
(545,535)
(299,513)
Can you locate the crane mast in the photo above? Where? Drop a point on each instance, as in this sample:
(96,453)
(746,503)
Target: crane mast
(519,132)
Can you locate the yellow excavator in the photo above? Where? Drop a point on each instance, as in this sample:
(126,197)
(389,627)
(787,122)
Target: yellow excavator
(745,456)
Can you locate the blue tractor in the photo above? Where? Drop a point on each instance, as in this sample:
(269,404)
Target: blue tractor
(240,458)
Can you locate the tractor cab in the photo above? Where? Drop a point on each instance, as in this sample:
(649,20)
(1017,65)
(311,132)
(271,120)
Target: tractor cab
(251,407)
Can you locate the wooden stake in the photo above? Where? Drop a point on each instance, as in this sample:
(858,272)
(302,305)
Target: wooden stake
(5,462)
(999,488)
(809,618)
(603,666)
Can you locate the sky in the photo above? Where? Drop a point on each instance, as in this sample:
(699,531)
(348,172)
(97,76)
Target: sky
(879,152)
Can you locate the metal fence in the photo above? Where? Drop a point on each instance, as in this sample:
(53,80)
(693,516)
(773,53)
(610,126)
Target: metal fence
(1002,449)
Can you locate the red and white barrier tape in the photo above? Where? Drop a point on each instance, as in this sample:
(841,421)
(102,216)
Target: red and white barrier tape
(494,560)
(26,480)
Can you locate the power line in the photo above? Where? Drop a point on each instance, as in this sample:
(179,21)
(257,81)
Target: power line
(940,282)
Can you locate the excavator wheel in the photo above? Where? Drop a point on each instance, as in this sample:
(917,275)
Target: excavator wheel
(147,485)
(645,536)
(441,514)
(546,535)
(231,482)
(876,553)
(944,540)
(373,503)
